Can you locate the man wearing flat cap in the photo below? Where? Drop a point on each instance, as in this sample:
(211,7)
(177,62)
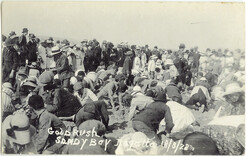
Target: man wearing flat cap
(23,48)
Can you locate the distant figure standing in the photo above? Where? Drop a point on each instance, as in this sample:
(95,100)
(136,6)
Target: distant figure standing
(23,47)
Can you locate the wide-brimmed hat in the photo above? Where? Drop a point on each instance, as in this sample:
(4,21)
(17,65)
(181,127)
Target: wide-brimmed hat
(45,78)
(161,96)
(22,72)
(24,30)
(128,53)
(169,62)
(233,87)
(153,57)
(31,81)
(16,128)
(135,90)
(55,50)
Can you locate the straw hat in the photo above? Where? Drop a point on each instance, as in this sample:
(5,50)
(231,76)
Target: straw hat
(169,62)
(55,50)
(233,88)
(16,128)
(31,81)
(22,72)
(128,53)
(153,57)
(135,90)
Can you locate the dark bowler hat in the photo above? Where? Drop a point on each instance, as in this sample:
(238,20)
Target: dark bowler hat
(51,39)
(24,30)
(182,45)
(161,96)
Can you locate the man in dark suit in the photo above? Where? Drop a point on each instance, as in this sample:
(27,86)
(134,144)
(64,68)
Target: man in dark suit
(32,49)
(23,47)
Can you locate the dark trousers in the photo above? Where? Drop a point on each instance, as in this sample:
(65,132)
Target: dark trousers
(140,126)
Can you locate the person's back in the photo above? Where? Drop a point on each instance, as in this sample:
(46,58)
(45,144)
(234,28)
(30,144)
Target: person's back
(173,92)
(47,121)
(64,103)
(152,114)
(93,110)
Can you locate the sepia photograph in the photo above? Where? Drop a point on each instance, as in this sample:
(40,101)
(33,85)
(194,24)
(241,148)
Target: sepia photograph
(122,78)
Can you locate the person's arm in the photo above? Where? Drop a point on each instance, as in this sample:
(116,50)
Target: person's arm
(91,95)
(132,111)
(104,114)
(111,93)
(128,70)
(42,136)
(64,63)
(15,59)
(56,102)
(168,119)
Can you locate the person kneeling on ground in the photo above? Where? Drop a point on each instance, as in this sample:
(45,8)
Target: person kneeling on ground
(148,120)
(93,110)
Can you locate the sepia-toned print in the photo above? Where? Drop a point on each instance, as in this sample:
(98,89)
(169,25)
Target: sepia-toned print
(123,78)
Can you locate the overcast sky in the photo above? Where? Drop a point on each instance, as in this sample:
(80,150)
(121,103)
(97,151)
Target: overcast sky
(165,24)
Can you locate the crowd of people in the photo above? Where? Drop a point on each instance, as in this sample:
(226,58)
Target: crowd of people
(47,84)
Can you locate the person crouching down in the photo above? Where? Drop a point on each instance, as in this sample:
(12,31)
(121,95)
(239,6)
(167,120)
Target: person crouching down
(45,142)
(148,120)
(83,94)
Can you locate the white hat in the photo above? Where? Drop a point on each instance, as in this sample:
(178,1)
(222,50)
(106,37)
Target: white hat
(169,62)
(153,57)
(55,50)
(16,128)
(136,90)
(233,87)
